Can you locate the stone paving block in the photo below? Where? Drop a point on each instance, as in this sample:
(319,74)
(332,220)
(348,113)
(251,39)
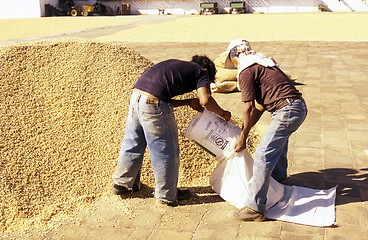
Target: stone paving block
(350,215)
(219,214)
(358,134)
(307,156)
(311,74)
(64,233)
(359,153)
(298,236)
(350,101)
(365,211)
(182,219)
(347,97)
(335,141)
(356,125)
(332,114)
(303,159)
(307,140)
(293,230)
(159,234)
(337,158)
(346,232)
(310,128)
(330,93)
(262,238)
(209,231)
(356,115)
(140,233)
(111,233)
(267,229)
(216,224)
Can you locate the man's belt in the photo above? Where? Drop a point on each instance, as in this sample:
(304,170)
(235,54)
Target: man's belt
(151,100)
(282,103)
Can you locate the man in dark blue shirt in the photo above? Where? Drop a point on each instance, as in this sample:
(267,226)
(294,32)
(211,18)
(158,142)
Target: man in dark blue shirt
(151,123)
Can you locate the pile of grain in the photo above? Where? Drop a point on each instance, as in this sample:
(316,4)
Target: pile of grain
(62,118)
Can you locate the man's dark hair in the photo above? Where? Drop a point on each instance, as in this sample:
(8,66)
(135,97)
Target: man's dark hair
(205,62)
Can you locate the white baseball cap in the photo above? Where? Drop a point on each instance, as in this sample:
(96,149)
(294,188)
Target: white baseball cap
(232,44)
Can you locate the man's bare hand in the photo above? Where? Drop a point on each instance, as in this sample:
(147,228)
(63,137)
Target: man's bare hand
(226,115)
(194,104)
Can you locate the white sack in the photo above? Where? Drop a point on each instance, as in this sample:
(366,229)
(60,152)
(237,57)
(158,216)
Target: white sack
(232,177)
(213,133)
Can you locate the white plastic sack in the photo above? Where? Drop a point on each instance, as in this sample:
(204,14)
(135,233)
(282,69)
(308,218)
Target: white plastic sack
(231,180)
(233,175)
(305,206)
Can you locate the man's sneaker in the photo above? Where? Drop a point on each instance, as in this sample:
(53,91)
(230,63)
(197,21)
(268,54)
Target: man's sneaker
(168,203)
(246,214)
(136,187)
(182,194)
(121,190)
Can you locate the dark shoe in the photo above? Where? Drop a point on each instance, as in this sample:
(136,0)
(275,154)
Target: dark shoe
(182,194)
(136,187)
(168,203)
(246,214)
(121,190)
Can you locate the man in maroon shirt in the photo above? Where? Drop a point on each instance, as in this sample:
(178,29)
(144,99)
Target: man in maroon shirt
(261,81)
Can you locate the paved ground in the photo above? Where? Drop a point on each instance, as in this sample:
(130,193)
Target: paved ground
(329,149)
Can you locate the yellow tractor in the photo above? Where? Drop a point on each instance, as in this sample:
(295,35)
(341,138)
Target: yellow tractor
(86,9)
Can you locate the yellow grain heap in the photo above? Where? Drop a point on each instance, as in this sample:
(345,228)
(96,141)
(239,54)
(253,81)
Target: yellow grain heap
(62,118)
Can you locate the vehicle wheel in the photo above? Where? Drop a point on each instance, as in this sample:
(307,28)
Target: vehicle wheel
(85,13)
(74,12)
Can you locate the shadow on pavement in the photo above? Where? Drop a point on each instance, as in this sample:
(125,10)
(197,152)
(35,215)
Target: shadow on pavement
(200,195)
(351,183)
(351,186)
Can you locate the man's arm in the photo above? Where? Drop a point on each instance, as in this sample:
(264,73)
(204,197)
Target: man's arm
(206,100)
(251,115)
(258,111)
(192,102)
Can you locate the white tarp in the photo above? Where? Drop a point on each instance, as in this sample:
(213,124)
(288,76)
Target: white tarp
(233,175)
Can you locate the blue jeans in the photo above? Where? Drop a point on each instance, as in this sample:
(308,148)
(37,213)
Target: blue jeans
(270,158)
(150,124)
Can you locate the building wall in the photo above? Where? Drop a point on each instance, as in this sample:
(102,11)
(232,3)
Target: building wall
(36,8)
(54,3)
(20,8)
(193,6)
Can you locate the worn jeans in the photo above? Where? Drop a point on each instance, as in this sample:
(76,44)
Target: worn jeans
(270,158)
(150,124)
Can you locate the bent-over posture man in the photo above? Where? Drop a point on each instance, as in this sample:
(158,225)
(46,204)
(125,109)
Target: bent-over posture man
(261,80)
(151,123)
